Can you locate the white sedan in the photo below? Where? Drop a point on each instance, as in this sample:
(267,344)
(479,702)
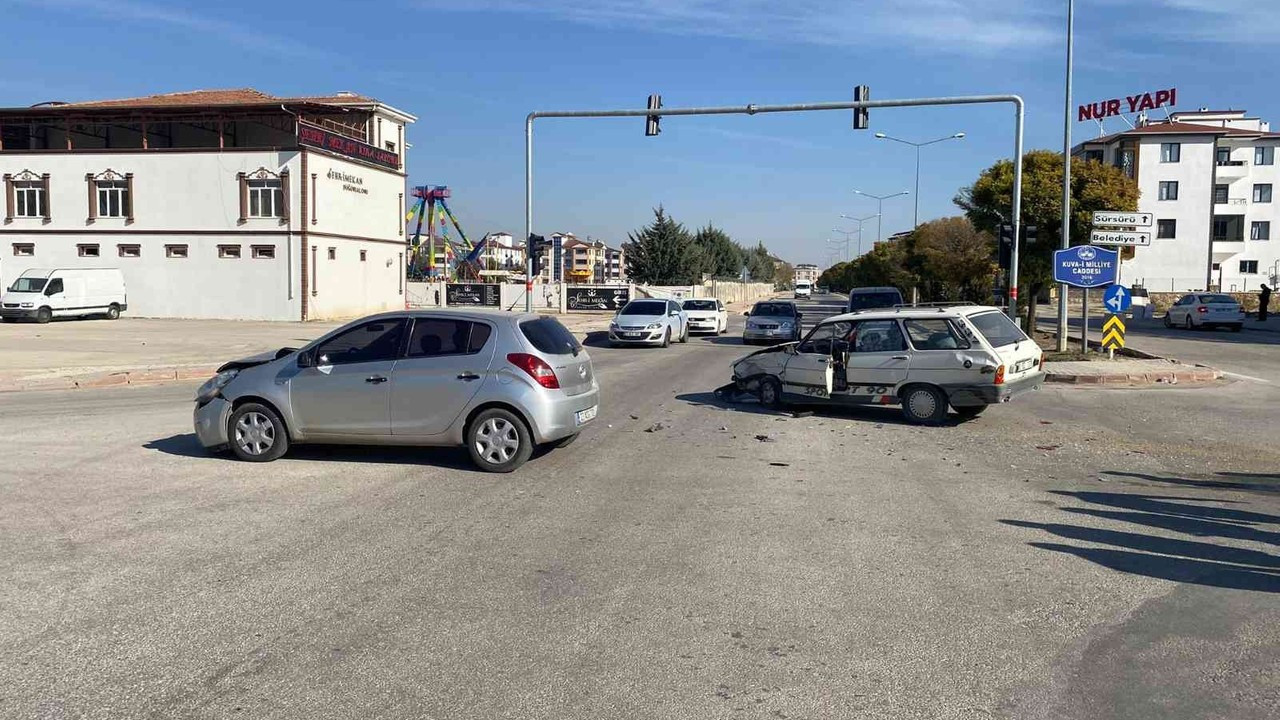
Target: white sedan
(1205,310)
(706,316)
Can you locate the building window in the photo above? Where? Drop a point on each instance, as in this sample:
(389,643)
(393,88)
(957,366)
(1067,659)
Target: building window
(1168,189)
(175,251)
(1228,228)
(87,250)
(1260,230)
(1264,156)
(230,252)
(1170,152)
(1093,156)
(24,249)
(30,198)
(1248,267)
(1262,193)
(1217,267)
(390,146)
(1166,229)
(333,253)
(266,198)
(1220,194)
(1223,155)
(113,198)
(363,255)
(264,252)
(129,251)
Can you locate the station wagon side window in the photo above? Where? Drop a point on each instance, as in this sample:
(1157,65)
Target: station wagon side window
(934,334)
(371,342)
(870,336)
(432,337)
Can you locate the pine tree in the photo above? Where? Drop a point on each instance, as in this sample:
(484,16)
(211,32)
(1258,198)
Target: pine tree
(661,254)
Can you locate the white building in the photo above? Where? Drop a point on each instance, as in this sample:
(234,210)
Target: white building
(1208,179)
(501,252)
(806,273)
(213,203)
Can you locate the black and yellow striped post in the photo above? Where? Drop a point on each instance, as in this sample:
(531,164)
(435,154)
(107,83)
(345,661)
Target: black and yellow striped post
(1113,334)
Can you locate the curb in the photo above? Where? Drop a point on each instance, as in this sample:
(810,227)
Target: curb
(1172,377)
(148,376)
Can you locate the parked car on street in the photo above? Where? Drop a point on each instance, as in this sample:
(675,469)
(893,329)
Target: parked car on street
(923,359)
(772,321)
(707,315)
(649,321)
(873,298)
(43,295)
(1205,310)
(497,384)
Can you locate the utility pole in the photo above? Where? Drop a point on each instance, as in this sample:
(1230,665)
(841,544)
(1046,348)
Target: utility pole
(1066,178)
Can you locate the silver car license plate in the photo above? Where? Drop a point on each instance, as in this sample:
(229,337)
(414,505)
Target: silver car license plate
(583,417)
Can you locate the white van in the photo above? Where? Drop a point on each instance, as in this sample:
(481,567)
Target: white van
(803,289)
(42,295)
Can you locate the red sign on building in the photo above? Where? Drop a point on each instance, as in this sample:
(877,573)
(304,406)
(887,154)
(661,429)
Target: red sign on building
(1128,104)
(316,137)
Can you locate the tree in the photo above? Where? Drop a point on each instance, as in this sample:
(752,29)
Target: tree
(721,256)
(660,254)
(953,260)
(887,265)
(1094,186)
(760,264)
(784,275)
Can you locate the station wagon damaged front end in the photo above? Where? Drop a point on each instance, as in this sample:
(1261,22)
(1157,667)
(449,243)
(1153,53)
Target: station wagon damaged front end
(769,362)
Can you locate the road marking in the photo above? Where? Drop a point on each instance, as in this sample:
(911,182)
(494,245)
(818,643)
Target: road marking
(1246,377)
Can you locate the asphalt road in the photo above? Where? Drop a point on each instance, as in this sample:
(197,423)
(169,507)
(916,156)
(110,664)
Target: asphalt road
(1082,554)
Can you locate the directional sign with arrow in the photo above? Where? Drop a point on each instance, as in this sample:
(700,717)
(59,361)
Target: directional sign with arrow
(1119,237)
(1117,298)
(1113,333)
(1113,218)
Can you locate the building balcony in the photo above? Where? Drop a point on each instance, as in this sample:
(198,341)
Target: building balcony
(1229,170)
(1230,203)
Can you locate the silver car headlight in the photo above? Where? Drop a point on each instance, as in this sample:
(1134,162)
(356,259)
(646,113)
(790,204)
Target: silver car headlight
(214,385)
(785,324)
(654,326)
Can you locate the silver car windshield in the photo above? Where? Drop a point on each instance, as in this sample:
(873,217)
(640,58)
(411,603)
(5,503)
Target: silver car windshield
(645,308)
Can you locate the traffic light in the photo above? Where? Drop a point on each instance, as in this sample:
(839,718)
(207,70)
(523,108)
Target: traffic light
(536,245)
(1029,234)
(1005,246)
(861,116)
(651,127)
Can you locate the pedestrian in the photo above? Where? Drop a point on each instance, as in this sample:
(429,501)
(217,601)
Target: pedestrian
(1264,299)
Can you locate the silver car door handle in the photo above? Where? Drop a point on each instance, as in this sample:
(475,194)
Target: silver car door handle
(375,379)
(901,357)
(468,376)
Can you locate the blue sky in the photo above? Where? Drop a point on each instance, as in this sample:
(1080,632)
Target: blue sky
(471,70)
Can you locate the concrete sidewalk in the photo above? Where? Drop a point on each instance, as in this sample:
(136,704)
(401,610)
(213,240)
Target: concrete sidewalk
(96,353)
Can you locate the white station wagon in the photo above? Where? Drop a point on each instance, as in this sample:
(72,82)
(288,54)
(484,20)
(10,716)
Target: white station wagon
(925,359)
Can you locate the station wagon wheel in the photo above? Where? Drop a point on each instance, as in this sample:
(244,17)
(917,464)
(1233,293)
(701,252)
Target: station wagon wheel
(256,433)
(770,393)
(924,405)
(498,441)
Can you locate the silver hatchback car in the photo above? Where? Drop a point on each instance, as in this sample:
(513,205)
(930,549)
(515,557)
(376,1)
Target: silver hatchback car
(497,383)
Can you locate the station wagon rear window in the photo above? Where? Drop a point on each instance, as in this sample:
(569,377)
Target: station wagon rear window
(997,328)
(550,337)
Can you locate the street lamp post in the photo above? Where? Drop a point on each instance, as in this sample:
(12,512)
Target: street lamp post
(859,221)
(917,146)
(844,242)
(880,209)
(847,239)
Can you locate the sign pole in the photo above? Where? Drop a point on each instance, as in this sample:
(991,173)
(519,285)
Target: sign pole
(1066,174)
(1084,321)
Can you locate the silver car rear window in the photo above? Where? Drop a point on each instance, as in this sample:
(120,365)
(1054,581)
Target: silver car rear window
(550,337)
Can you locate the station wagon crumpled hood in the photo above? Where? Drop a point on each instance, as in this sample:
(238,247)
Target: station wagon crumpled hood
(255,360)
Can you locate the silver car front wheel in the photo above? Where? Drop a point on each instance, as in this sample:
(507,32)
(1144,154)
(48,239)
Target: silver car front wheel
(257,433)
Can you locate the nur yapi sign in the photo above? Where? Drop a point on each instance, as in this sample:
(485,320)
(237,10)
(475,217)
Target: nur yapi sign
(1085,266)
(1129,104)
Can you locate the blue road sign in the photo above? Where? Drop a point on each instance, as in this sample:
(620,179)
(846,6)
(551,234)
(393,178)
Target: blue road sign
(1117,298)
(1085,266)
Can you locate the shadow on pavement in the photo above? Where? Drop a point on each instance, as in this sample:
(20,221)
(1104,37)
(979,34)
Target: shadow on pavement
(1208,484)
(1192,561)
(748,404)
(187,445)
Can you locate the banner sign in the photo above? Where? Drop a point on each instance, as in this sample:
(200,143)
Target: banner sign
(473,294)
(581,297)
(317,137)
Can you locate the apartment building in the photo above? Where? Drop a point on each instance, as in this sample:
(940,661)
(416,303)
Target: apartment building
(570,259)
(806,273)
(213,203)
(1208,178)
(501,252)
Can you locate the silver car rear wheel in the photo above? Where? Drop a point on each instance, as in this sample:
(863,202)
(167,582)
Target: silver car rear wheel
(498,441)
